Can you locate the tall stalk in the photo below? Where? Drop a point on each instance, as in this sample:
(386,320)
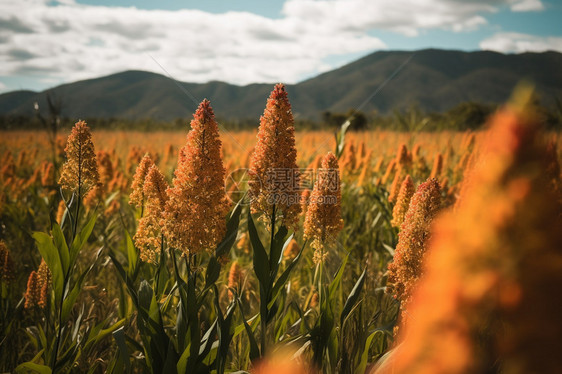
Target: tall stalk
(67,275)
(263,319)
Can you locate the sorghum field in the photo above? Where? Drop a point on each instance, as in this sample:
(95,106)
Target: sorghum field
(278,251)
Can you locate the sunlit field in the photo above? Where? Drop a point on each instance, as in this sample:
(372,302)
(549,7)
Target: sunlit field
(373,251)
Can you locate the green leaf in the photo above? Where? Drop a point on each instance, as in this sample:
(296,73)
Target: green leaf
(182,318)
(194,326)
(60,243)
(118,266)
(365,354)
(132,256)
(156,341)
(51,256)
(254,350)
(281,325)
(340,138)
(111,198)
(37,357)
(182,286)
(238,330)
(145,295)
(93,368)
(389,249)
(333,347)
(260,260)
(213,268)
(154,311)
(28,367)
(337,278)
(81,239)
(231,231)
(162,275)
(284,248)
(213,272)
(67,357)
(93,340)
(353,296)
(34,339)
(181,325)
(207,341)
(225,332)
(285,276)
(279,243)
(130,286)
(181,366)
(171,360)
(77,323)
(71,297)
(123,356)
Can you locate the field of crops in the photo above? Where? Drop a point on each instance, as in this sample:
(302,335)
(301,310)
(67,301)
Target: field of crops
(278,251)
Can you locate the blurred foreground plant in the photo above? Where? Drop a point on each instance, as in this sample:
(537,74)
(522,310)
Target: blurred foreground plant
(486,301)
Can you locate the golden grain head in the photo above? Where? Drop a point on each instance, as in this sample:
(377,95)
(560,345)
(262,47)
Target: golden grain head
(7,267)
(33,292)
(148,237)
(403,201)
(80,171)
(323,220)
(273,165)
(493,265)
(194,218)
(136,197)
(406,269)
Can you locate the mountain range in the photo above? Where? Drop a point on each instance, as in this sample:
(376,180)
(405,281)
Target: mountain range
(435,80)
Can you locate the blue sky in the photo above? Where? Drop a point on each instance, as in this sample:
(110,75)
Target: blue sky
(270,9)
(246,41)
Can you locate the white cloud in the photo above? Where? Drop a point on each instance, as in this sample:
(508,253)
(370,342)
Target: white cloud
(402,16)
(73,41)
(3,87)
(512,42)
(527,6)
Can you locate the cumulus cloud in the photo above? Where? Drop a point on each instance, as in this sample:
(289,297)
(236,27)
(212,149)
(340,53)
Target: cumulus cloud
(402,16)
(64,41)
(527,6)
(512,42)
(71,41)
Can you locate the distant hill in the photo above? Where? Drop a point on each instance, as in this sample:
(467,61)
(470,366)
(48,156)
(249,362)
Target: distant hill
(434,79)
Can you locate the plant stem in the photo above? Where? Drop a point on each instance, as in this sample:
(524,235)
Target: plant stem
(161,262)
(79,197)
(176,271)
(67,275)
(267,295)
(59,328)
(320,274)
(65,284)
(2,306)
(75,228)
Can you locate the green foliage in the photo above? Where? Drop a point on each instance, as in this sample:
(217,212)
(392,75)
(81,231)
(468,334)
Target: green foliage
(175,315)
(266,267)
(74,336)
(182,349)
